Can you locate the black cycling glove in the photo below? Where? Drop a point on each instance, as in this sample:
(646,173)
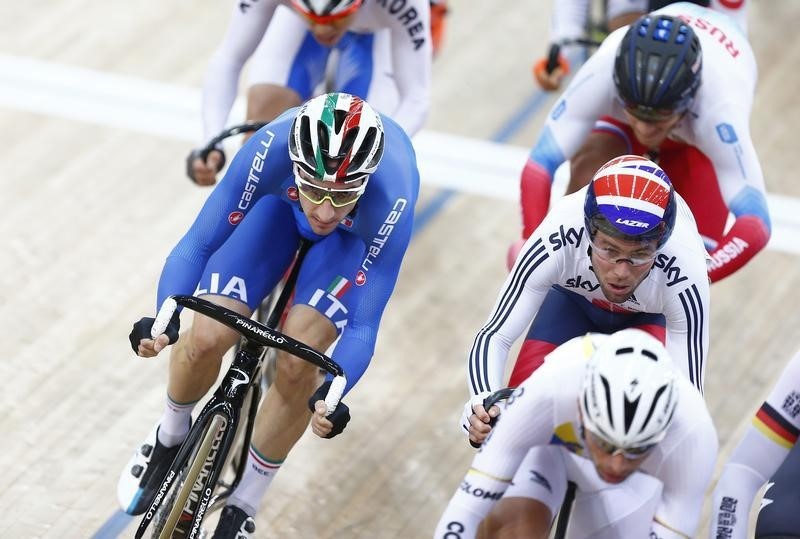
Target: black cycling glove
(198,153)
(339,417)
(141,330)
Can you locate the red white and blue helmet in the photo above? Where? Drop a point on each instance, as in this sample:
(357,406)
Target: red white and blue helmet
(630,198)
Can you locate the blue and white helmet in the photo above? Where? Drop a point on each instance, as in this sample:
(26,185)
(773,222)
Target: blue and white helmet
(631,198)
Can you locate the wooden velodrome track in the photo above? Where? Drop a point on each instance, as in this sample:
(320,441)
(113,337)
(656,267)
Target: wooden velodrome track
(92,141)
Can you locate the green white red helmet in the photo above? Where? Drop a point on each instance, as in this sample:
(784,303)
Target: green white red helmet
(337,137)
(629,393)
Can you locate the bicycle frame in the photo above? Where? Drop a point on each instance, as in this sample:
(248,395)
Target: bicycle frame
(226,403)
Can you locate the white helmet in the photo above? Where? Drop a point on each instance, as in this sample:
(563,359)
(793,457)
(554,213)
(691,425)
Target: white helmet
(337,137)
(629,394)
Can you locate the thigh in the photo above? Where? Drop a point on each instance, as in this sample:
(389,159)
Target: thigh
(288,55)
(327,277)
(778,516)
(605,511)
(250,263)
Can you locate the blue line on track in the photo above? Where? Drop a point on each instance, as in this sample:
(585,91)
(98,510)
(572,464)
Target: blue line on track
(114,526)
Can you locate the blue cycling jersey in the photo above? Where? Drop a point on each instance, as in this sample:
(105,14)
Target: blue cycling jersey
(381,223)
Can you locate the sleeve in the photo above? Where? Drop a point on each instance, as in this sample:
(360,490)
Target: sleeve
(686,474)
(497,460)
(522,294)
(392,228)
(248,23)
(687,313)
(741,182)
(569,19)
(412,54)
(213,224)
(769,438)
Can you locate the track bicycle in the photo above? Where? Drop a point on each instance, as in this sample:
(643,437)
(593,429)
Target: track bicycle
(190,488)
(559,529)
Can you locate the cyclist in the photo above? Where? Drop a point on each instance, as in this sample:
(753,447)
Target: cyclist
(384,57)
(570,21)
(768,453)
(320,172)
(612,415)
(622,252)
(641,93)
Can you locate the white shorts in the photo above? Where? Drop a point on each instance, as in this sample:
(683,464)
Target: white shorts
(601,510)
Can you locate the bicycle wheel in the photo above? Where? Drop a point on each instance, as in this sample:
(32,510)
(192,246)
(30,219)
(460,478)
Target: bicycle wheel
(193,487)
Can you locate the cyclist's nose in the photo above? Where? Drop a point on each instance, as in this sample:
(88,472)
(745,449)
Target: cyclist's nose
(325,211)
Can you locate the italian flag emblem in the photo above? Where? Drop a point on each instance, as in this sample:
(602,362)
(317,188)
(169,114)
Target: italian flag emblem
(338,286)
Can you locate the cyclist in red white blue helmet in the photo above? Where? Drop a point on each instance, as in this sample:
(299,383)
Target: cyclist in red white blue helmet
(677,87)
(630,198)
(622,252)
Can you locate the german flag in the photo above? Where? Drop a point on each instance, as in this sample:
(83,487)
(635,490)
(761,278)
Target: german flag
(775,427)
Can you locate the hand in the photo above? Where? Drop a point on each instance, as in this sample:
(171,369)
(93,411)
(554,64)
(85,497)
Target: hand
(322,424)
(205,172)
(475,421)
(144,345)
(550,81)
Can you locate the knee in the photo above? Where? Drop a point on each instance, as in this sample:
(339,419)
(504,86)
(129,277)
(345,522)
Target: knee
(266,101)
(295,376)
(516,517)
(207,345)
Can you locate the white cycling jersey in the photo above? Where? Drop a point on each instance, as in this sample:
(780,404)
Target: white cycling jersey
(273,34)
(557,255)
(543,412)
(570,17)
(718,122)
(767,441)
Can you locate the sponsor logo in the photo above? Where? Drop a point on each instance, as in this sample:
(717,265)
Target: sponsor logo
(454,530)
(631,222)
(562,238)
(466,486)
(409,17)
(726,518)
(361,278)
(580,282)
(292,194)
(236,382)
(256,167)
(346,222)
(727,133)
(791,404)
(235,217)
(380,239)
(257,330)
(728,252)
(198,487)
(559,109)
(161,492)
(672,271)
(539,479)
(235,288)
(715,32)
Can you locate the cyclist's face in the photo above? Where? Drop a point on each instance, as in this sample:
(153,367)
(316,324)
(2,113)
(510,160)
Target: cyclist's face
(612,467)
(329,31)
(613,264)
(324,217)
(651,133)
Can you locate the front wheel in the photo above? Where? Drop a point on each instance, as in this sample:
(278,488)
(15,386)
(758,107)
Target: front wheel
(192,492)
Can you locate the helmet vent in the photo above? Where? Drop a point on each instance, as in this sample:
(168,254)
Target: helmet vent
(621,351)
(630,411)
(649,354)
(607,392)
(652,409)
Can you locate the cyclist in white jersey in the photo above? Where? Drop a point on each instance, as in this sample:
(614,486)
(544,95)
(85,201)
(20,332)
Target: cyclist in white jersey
(612,415)
(622,252)
(691,115)
(570,22)
(385,55)
(767,454)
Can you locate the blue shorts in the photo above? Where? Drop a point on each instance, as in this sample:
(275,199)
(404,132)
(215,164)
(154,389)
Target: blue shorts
(258,253)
